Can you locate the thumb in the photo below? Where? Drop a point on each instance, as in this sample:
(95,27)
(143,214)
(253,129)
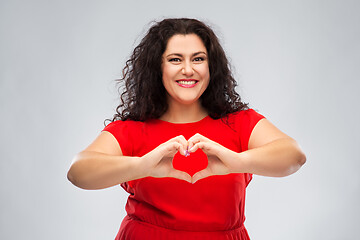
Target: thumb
(180,175)
(200,175)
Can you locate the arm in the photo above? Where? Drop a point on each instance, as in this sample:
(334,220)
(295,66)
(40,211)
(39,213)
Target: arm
(271,152)
(103,165)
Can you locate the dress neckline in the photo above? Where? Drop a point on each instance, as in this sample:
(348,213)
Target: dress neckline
(201,121)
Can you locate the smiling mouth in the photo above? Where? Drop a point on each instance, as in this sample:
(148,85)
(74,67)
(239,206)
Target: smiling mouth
(187,82)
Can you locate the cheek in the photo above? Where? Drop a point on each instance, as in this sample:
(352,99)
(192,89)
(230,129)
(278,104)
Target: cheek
(168,72)
(205,73)
(165,75)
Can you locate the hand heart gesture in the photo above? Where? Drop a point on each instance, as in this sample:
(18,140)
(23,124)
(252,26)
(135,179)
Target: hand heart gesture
(220,160)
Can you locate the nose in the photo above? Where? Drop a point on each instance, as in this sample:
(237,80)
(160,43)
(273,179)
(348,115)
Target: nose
(187,70)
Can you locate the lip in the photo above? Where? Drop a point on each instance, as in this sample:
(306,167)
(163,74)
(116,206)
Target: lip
(187,85)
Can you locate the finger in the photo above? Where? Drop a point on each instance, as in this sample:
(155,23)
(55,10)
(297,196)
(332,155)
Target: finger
(200,175)
(202,145)
(184,144)
(197,138)
(180,175)
(194,139)
(171,148)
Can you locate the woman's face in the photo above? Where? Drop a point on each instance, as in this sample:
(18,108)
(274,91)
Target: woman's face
(185,68)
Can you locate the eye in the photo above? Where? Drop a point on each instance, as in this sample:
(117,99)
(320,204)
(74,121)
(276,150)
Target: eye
(199,59)
(174,60)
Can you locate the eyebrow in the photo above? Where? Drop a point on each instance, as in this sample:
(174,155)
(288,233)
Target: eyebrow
(180,55)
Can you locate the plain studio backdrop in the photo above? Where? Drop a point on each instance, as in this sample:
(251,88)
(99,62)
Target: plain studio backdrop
(296,62)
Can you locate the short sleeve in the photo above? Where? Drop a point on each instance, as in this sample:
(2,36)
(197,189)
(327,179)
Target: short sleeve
(247,120)
(120,130)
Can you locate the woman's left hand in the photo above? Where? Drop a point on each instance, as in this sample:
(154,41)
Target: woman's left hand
(220,159)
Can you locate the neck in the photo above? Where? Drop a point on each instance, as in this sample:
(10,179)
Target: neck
(180,113)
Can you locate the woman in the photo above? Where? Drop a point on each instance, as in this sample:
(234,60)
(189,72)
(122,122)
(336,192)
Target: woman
(182,143)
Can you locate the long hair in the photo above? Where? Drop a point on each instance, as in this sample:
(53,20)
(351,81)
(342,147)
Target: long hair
(143,95)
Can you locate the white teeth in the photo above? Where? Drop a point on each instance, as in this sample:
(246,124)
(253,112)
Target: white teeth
(187,82)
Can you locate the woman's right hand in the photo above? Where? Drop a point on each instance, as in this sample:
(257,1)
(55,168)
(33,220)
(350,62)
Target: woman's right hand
(158,162)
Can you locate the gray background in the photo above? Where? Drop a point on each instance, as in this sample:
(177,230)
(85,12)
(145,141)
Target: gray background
(297,62)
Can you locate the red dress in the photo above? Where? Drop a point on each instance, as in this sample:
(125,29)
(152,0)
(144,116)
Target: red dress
(169,208)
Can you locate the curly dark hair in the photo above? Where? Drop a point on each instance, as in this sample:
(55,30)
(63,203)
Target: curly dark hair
(143,95)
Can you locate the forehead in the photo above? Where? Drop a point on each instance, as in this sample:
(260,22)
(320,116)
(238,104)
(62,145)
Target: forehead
(188,43)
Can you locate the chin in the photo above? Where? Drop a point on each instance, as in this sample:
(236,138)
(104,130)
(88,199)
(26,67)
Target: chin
(186,101)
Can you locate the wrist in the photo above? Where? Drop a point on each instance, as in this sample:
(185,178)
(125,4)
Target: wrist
(139,167)
(243,163)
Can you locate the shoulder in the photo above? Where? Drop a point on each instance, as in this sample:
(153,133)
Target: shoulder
(123,129)
(248,117)
(125,132)
(243,122)
(120,125)
(245,113)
